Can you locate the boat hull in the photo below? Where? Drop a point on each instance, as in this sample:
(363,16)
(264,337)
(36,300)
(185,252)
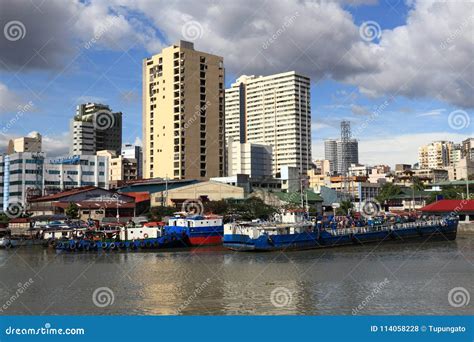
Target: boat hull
(324,239)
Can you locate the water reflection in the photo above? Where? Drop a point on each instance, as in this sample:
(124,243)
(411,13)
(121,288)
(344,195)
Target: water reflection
(221,282)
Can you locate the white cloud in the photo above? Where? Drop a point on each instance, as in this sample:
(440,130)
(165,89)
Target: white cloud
(9,100)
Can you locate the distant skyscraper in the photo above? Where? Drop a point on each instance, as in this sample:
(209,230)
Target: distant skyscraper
(342,153)
(347,154)
(272,110)
(95,128)
(330,153)
(183,114)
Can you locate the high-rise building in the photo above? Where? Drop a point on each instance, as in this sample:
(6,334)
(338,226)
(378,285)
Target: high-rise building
(347,154)
(435,155)
(254,160)
(343,152)
(272,110)
(330,153)
(467,149)
(94,128)
(183,114)
(31,143)
(131,151)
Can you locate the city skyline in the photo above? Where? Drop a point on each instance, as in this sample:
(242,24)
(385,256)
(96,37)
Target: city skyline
(97,61)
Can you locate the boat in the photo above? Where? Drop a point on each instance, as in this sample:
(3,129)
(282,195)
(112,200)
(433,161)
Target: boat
(251,236)
(197,230)
(181,231)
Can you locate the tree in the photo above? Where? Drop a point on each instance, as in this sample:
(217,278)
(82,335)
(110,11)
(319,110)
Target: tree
(216,207)
(72,211)
(345,208)
(158,213)
(447,192)
(418,184)
(387,191)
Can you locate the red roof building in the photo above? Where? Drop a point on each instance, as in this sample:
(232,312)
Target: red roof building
(463,208)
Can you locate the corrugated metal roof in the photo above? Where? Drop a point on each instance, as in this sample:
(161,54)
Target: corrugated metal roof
(446,206)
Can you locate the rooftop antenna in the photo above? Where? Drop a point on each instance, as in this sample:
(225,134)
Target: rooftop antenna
(345,140)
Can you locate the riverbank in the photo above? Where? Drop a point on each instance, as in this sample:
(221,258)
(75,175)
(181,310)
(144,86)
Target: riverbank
(466,228)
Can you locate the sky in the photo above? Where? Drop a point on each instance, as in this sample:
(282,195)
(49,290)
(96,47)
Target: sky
(402,72)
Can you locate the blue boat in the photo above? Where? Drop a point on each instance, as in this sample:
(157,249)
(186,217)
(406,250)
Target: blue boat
(198,230)
(309,235)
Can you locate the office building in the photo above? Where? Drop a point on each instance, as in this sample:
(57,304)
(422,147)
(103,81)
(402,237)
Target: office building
(30,143)
(347,154)
(330,153)
(183,114)
(29,175)
(272,110)
(94,128)
(254,160)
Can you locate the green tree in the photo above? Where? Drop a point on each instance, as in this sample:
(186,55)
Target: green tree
(418,184)
(72,211)
(388,190)
(158,213)
(447,192)
(345,208)
(216,207)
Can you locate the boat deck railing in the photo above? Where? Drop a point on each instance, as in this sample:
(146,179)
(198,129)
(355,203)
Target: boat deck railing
(385,227)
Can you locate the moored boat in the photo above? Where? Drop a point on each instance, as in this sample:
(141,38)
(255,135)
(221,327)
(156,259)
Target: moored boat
(310,235)
(197,230)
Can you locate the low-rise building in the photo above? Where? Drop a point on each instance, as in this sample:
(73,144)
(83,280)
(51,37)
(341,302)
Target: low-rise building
(202,191)
(30,143)
(92,203)
(121,169)
(28,175)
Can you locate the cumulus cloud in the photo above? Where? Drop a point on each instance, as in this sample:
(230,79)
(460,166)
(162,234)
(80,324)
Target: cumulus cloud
(9,100)
(428,57)
(53,32)
(360,110)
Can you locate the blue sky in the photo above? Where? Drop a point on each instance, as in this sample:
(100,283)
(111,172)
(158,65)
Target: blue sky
(63,62)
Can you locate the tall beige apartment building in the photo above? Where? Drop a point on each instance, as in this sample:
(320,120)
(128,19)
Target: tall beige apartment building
(272,110)
(435,155)
(183,114)
(31,143)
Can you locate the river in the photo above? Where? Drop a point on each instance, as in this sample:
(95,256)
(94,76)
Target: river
(395,279)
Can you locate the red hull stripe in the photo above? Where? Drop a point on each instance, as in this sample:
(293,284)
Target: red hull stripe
(205,240)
